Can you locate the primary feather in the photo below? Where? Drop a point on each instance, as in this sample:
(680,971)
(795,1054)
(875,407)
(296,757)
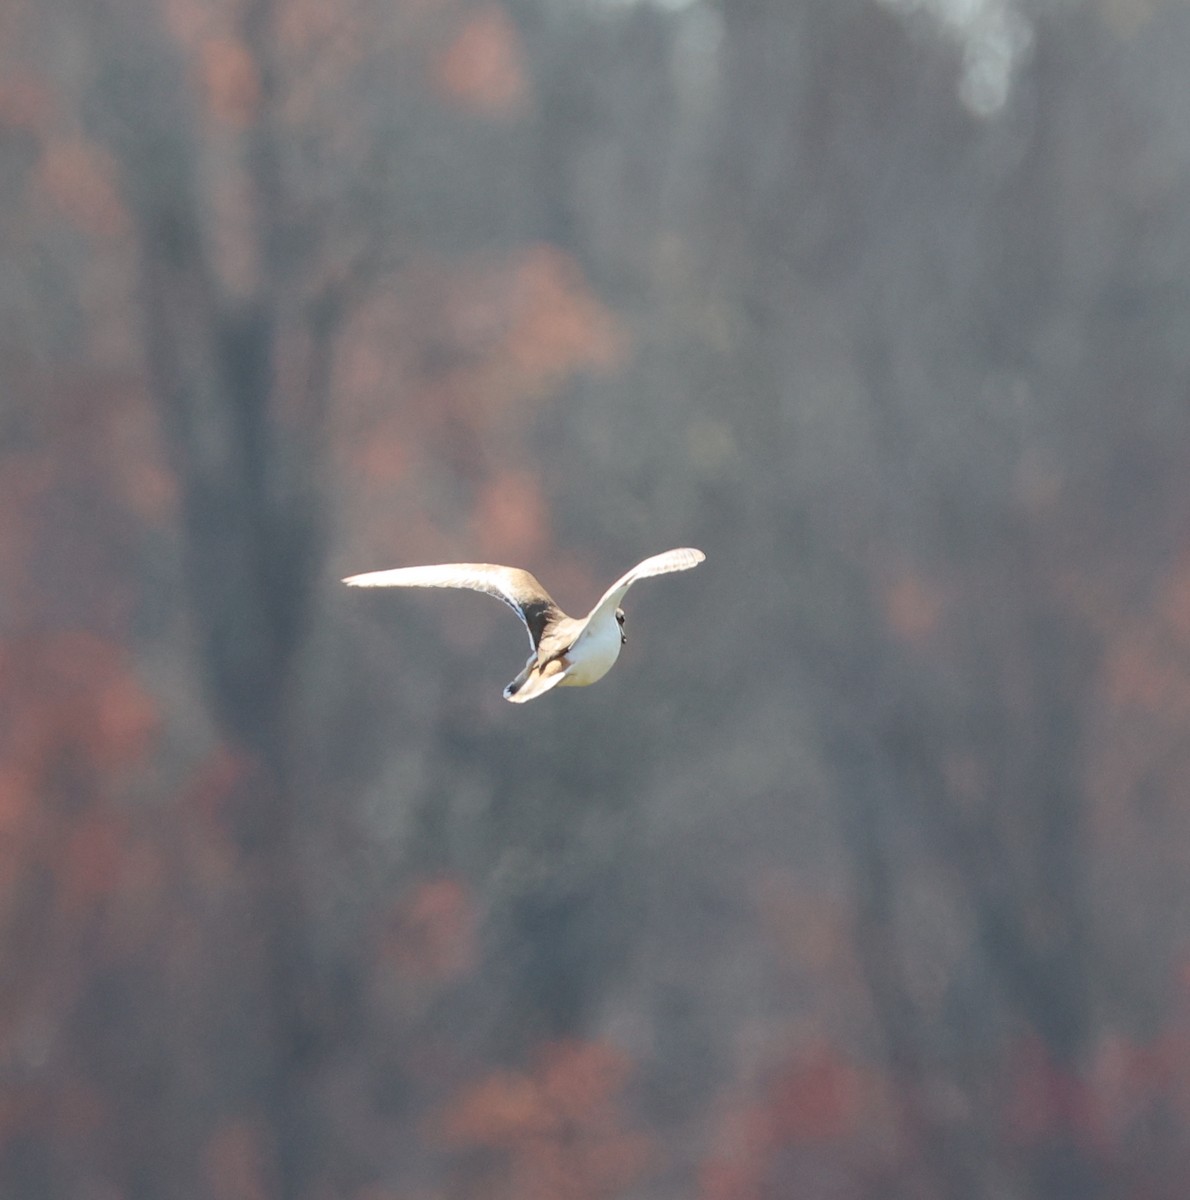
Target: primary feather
(516,588)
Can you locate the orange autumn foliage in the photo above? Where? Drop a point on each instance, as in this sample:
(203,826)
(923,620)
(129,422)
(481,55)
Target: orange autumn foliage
(25,102)
(1148,660)
(913,607)
(500,1111)
(444,375)
(557,1130)
(511,521)
(483,68)
(431,933)
(235,1158)
(477,340)
(78,178)
(581,1081)
(72,715)
(1141,674)
(230,80)
(92,861)
(1046,1099)
(71,689)
(559,323)
(813,1101)
(1173,603)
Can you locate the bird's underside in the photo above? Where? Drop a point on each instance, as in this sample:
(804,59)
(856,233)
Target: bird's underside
(566,652)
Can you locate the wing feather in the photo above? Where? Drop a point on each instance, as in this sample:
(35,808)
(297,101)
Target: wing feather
(659,564)
(516,588)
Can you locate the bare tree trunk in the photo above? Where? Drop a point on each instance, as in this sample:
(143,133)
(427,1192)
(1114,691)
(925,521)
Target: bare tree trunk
(251,519)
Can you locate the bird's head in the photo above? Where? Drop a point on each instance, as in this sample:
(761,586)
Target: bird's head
(620,622)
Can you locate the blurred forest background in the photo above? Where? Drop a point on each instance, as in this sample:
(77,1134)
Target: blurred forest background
(885,891)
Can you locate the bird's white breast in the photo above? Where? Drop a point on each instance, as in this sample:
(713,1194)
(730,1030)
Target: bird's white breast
(594,654)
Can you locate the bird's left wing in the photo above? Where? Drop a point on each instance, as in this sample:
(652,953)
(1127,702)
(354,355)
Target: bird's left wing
(516,588)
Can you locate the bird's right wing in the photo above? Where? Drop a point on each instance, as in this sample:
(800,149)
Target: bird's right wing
(516,588)
(659,564)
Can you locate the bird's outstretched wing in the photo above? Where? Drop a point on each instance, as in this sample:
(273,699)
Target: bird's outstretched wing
(659,564)
(518,589)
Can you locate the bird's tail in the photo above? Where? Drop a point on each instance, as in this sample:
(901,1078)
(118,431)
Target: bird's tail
(535,680)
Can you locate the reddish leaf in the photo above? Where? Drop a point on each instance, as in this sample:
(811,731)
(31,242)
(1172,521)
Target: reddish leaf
(913,607)
(74,690)
(580,1079)
(498,1111)
(1174,604)
(92,861)
(25,102)
(483,69)
(236,1161)
(560,1130)
(1047,1100)
(230,80)
(432,931)
(511,519)
(814,1099)
(78,177)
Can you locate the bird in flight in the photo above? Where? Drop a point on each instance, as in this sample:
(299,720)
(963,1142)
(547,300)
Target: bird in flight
(567,652)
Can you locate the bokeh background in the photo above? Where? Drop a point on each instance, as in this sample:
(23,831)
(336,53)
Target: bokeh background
(866,874)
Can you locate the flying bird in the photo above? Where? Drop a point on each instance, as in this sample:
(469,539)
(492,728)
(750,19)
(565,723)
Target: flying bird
(566,652)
